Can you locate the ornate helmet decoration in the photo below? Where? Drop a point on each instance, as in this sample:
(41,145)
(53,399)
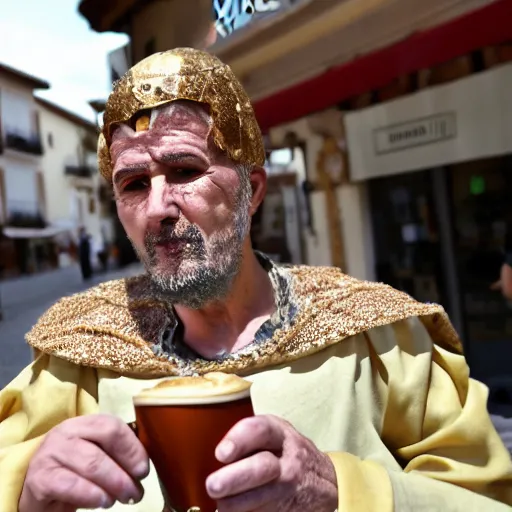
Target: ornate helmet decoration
(185,74)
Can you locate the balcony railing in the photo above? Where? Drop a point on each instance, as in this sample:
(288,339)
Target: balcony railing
(30,145)
(24,219)
(79,171)
(25,214)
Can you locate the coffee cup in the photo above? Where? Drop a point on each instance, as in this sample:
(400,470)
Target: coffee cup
(180,422)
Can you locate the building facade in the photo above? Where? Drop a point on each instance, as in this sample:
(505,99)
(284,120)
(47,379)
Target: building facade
(152,25)
(439,162)
(72,182)
(49,181)
(24,246)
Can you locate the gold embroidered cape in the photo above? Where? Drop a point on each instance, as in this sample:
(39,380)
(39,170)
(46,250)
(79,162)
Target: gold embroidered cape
(113,326)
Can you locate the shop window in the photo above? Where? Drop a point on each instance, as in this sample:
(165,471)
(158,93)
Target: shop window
(281,157)
(481,202)
(276,228)
(406,238)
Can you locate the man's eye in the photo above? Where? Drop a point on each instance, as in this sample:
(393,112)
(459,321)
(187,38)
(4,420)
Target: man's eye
(184,172)
(135,185)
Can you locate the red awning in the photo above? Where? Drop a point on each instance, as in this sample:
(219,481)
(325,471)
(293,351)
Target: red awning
(487,26)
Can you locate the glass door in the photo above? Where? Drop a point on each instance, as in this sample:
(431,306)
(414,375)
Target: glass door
(481,196)
(407,238)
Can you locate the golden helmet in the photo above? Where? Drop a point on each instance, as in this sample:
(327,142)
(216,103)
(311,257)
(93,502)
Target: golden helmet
(186,74)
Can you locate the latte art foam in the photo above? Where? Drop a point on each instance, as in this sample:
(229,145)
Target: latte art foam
(211,388)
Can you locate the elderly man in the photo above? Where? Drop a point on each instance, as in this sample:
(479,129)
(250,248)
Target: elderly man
(361,395)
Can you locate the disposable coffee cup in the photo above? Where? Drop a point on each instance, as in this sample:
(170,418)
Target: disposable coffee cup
(180,422)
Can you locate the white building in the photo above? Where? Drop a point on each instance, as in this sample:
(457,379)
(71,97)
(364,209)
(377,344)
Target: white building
(72,181)
(23,243)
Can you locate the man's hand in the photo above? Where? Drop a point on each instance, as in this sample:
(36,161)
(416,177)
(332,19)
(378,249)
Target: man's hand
(271,467)
(86,462)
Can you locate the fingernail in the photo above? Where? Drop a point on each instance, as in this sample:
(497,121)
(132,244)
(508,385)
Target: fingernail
(225,450)
(214,486)
(141,470)
(106,502)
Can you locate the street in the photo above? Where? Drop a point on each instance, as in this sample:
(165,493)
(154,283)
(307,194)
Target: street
(25,299)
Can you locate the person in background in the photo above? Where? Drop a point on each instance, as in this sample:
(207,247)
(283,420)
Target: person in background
(504,284)
(84,253)
(102,253)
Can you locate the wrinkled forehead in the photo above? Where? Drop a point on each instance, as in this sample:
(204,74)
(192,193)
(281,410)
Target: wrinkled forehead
(171,118)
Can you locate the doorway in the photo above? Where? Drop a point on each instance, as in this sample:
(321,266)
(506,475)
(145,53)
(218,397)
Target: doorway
(407,236)
(481,195)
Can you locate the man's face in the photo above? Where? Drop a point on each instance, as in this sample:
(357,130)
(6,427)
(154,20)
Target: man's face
(183,204)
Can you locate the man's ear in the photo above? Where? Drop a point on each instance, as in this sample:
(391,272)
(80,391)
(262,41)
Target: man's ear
(258,179)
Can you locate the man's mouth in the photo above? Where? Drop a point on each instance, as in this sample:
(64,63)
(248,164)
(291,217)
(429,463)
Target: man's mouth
(172,247)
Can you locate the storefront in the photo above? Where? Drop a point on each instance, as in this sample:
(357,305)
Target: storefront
(438,169)
(28,250)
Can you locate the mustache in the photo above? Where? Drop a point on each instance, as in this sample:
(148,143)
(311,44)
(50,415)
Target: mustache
(172,234)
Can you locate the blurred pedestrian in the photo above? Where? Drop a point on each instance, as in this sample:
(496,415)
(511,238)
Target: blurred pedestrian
(84,253)
(504,284)
(102,253)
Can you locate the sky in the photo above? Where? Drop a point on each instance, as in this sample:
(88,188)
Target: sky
(52,41)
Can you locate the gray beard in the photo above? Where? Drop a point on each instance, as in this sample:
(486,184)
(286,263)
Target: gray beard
(217,262)
(205,284)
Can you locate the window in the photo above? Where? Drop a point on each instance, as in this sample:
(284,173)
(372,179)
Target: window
(50,139)
(17,115)
(21,189)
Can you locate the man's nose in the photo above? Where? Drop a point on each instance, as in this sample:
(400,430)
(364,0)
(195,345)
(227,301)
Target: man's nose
(161,203)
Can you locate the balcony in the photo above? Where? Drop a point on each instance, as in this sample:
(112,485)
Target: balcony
(79,171)
(17,142)
(25,214)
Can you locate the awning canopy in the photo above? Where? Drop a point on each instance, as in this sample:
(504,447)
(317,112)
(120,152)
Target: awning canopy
(487,26)
(47,232)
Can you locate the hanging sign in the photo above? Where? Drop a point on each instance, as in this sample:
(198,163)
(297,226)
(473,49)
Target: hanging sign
(417,132)
(231,15)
